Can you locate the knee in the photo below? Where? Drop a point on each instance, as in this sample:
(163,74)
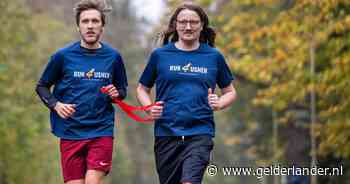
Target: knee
(94,177)
(93,180)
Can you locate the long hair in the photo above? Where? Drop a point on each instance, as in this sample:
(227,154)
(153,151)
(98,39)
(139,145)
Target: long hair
(207,35)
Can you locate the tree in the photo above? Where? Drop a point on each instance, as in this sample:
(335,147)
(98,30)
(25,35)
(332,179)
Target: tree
(24,124)
(275,52)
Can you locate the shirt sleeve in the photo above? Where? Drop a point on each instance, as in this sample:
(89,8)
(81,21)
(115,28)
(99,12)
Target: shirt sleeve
(120,79)
(224,75)
(52,73)
(149,75)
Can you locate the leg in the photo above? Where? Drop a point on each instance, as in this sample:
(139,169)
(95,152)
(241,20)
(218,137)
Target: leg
(73,160)
(196,159)
(94,177)
(81,181)
(99,159)
(168,151)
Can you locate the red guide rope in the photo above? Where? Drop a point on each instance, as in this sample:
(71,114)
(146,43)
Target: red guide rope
(129,109)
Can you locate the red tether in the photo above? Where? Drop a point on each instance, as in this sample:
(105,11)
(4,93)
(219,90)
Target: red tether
(129,109)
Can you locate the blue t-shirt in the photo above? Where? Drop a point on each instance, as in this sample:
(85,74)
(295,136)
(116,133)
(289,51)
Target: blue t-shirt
(182,80)
(78,74)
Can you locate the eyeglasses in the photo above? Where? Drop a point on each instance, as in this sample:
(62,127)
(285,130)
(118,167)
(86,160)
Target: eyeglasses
(193,23)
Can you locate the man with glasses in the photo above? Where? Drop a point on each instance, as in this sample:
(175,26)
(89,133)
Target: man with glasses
(185,72)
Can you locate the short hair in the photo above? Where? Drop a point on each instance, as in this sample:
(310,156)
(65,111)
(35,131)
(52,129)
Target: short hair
(84,5)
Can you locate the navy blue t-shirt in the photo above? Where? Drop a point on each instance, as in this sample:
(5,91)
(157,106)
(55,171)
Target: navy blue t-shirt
(78,74)
(182,80)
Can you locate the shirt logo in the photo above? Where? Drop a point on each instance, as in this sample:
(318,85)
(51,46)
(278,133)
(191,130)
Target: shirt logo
(92,74)
(188,69)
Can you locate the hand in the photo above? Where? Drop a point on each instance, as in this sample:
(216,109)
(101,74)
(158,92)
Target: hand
(213,100)
(64,110)
(112,91)
(156,111)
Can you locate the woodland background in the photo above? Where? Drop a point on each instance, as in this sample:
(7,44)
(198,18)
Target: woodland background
(290,59)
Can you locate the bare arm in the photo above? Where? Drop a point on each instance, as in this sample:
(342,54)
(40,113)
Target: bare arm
(228,96)
(144,97)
